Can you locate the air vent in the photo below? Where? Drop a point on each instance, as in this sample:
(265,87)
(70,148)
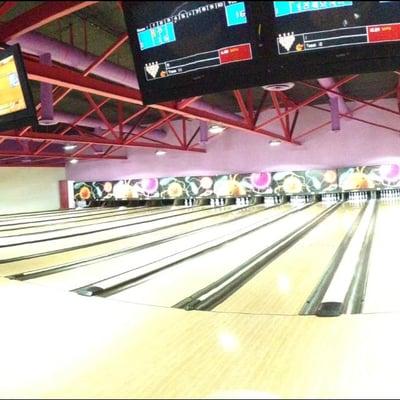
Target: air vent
(278,87)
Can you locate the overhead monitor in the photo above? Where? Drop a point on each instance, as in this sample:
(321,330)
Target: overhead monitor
(16,105)
(310,39)
(188,48)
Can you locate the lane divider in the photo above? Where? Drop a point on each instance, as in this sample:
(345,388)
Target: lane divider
(58,251)
(215,293)
(105,229)
(113,284)
(327,298)
(52,222)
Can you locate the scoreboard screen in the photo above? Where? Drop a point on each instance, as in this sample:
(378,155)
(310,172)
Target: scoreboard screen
(306,26)
(180,42)
(16,105)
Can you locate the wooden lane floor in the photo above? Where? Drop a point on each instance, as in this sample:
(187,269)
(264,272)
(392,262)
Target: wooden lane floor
(175,284)
(75,237)
(81,224)
(382,294)
(49,214)
(15,225)
(59,345)
(285,284)
(137,261)
(87,253)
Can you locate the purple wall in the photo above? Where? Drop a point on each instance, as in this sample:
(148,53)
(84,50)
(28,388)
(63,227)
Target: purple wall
(356,144)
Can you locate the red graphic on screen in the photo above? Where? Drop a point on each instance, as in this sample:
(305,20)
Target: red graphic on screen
(240,52)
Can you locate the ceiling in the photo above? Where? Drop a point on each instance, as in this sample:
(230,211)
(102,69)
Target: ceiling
(93,27)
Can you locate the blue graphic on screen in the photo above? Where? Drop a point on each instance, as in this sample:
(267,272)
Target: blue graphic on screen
(294,7)
(235,14)
(157,36)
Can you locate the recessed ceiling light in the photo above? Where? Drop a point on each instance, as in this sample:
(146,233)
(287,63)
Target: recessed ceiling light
(216,128)
(74,161)
(278,87)
(274,142)
(47,122)
(160,152)
(70,147)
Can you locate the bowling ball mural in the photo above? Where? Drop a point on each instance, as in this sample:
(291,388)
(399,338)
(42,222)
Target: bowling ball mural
(303,182)
(173,187)
(370,177)
(228,185)
(221,185)
(128,189)
(87,190)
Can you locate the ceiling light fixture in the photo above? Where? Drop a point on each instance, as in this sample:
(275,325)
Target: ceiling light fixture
(275,142)
(160,152)
(74,161)
(279,87)
(70,147)
(216,128)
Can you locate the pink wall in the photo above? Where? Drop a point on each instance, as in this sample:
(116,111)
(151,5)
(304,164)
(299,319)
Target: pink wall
(356,144)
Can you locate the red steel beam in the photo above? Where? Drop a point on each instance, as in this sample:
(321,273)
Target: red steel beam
(120,113)
(352,98)
(361,120)
(184,132)
(102,57)
(156,125)
(242,106)
(67,78)
(39,16)
(311,99)
(139,113)
(173,129)
(259,108)
(60,164)
(101,114)
(55,156)
(398,94)
(6,6)
(308,132)
(81,139)
(64,131)
(283,122)
(107,53)
(187,102)
(250,105)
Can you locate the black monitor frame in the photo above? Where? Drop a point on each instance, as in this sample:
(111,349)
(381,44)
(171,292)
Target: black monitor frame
(384,56)
(212,80)
(26,116)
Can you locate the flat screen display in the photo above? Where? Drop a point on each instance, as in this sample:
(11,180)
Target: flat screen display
(16,105)
(309,26)
(332,37)
(191,47)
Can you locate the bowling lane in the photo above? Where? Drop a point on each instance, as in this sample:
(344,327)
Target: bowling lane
(28,230)
(96,250)
(285,284)
(173,285)
(46,214)
(27,223)
(88,234)
(382,294)
(136,261)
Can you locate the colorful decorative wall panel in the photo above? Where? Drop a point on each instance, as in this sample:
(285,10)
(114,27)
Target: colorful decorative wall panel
(252,184)
(303,182)
(370,177)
